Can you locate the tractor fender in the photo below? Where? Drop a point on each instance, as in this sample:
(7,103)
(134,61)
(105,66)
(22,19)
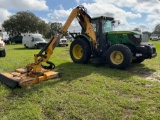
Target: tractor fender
(83,37)
(131,47)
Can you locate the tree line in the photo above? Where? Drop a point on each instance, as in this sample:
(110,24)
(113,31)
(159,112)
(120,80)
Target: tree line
(27,22)
(155,31)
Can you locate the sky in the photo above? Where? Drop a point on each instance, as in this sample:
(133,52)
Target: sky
(142,14)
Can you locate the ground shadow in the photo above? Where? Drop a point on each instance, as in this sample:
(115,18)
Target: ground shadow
(23,48)
(82,70)
(140,70)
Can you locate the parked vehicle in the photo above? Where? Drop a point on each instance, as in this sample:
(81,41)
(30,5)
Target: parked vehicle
(155,37)
(2,48)
(5,38)
(17,39)
(33,41)
(63,42)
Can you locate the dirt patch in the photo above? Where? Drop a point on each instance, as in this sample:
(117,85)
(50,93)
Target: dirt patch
(154,76)
(127,113)
(144,72)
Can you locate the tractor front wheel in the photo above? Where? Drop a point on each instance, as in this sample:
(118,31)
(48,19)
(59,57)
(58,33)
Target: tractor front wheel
(138,60)
(3,53)
(119,56)
(80,51)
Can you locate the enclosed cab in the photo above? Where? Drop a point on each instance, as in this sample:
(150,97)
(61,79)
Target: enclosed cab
(103,27)
(33,41)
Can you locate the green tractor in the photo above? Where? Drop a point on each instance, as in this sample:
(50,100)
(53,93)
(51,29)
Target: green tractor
(117,48)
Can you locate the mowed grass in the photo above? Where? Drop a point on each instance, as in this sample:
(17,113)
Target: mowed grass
(83,92)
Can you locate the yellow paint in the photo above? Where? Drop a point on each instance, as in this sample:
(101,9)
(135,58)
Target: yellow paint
(77,51)
(116,57)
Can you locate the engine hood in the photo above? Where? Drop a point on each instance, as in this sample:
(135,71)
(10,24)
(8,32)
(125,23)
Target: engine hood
(124,32)
(125,37)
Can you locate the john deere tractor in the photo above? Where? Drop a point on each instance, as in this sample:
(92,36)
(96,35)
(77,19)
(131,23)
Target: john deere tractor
(117,48)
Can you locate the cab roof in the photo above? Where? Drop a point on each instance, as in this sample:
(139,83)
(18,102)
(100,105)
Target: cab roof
(103,18)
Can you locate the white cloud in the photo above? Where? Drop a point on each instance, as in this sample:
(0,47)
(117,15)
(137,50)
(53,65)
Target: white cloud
(148,7)
(45,20)
(57,15)
(152,17)
(122,10)
(120,3)
(60,7)
(4,15)
(6,5)
(77,1)
(96,9)
(62,16)
(24,4)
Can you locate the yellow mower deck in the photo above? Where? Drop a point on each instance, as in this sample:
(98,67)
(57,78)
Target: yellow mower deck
(21,78)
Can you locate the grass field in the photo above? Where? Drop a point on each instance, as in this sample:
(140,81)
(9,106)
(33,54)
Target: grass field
(91,91)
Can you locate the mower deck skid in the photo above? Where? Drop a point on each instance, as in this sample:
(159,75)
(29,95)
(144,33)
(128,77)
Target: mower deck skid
(21,78)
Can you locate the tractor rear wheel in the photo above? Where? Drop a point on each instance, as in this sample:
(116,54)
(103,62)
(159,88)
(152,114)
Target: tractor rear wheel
(119,56)
(3,53)
(80,51)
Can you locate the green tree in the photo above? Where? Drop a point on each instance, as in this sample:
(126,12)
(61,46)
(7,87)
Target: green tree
(42,27)
(137,29)
(156,29)
(147,32)
(53,29)
(23,22)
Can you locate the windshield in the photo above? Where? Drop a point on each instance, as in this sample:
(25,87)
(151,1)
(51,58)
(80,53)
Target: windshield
(39,39)
(94,27)
(5,35)
(107,26)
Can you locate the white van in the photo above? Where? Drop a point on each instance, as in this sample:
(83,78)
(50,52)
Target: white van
(33,41)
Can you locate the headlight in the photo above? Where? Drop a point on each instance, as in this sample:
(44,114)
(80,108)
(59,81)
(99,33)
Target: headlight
(137,36)
(1,44)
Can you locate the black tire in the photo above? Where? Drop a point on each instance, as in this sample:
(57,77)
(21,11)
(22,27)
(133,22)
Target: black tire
(119,56)
(138,60)
(35,46)
(80,51)
(25,46)
(3,53)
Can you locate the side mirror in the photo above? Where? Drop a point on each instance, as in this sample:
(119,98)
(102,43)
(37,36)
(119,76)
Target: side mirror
(116,23)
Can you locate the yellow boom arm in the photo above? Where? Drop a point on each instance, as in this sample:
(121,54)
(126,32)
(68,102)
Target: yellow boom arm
(83,19)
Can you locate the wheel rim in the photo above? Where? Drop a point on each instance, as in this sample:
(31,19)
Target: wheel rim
(77,52)
(116,57)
